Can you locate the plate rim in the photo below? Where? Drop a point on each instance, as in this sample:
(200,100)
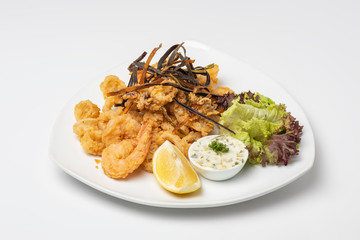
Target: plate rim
(206,204)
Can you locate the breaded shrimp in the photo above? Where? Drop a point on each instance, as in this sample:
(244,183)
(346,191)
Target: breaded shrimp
(121,159)
(120,127)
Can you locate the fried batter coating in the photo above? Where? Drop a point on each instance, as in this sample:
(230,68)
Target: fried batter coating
(89,135)
(85,125)
(106,116)
(109,103)
(120,127)
(195,122)
(167,126)
(147,164)
(86,109)
(213,72)
(220,90)
(156,118)
(154,98)
(189,139)
(91,143)
(112,154)
(121,159)
(201,125)
(111,84)
(162,95)
(173,138)
(206,106)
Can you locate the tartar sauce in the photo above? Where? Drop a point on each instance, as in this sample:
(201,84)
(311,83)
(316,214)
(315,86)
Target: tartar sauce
(233,154)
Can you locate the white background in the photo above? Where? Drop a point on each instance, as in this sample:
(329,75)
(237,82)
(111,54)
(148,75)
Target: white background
(49,50)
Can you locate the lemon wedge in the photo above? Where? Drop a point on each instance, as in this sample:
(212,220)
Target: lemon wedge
(173,171)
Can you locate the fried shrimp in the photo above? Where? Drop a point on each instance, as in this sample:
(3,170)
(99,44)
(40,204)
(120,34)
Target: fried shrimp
(120,127)
(121,159)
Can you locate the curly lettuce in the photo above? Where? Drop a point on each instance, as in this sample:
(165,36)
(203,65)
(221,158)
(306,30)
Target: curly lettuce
(271,134)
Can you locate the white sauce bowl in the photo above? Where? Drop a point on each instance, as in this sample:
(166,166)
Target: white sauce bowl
(217,174)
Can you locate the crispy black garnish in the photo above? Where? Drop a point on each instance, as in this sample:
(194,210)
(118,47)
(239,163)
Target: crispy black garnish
(141,57)
(174,54)
(133,79)
(167,53)
(172,64)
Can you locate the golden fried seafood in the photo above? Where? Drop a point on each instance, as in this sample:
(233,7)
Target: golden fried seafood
(92,144)
(169,100)
(89,135)
(147,164)
(119,128)
(110,84)
(106,116)
(153,98)
(192,121)
(173,138)
(86,109)
(85,125)
(121,159)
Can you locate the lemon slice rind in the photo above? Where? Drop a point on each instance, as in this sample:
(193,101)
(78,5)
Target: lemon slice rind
(179,168)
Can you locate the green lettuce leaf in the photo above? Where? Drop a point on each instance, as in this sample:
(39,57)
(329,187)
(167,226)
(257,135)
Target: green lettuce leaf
(271,134)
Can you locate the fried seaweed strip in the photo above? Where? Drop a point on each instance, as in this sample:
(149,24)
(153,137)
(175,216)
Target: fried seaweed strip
(188,67)
(182,74)
(174,54)
(183,62)
(203,116)
(189,74)
(141,66)
(131,66)
(146,85)
(208,80)
(182,82)
(192,68)
(200,71)
(141,57)
(133,79)
(166,54)
(142,79)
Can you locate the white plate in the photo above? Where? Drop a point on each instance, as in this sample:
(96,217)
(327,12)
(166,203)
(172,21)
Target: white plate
(141,187)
